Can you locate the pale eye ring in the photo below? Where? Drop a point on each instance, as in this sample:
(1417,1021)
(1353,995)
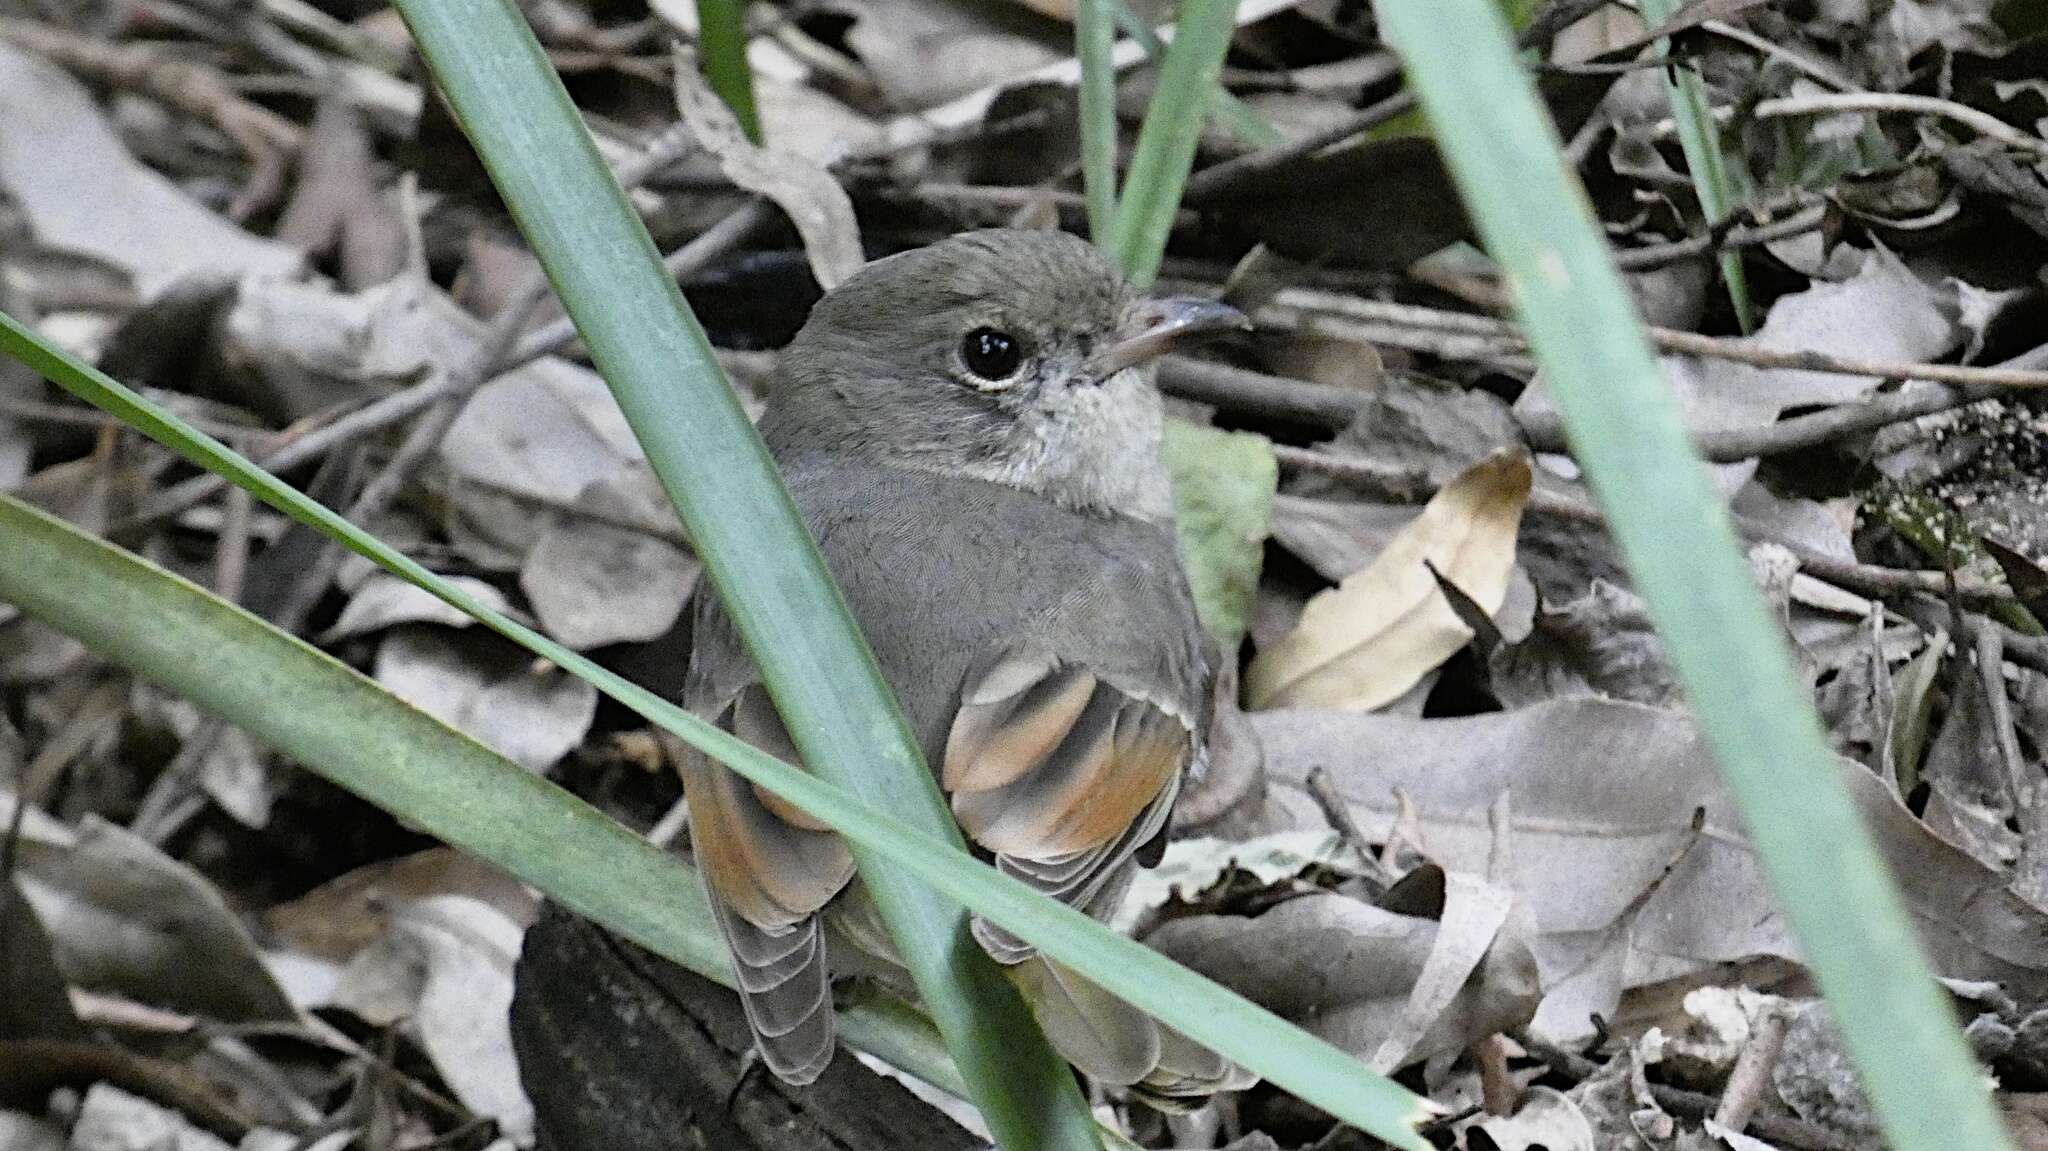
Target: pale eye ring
(991,355)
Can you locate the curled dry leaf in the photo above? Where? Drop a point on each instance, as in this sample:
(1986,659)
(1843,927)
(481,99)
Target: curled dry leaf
(814,201)
(20,1132)
(1368,640)
(110,1119)
(1475,915)
(530,713)
(1547,1119)
(468,949)
(80,190)
(428,939)
(547,434)
(125,918)
(594,584)
(1879,311)
(924,52)
(345,915)
(1347,971)
(385,601)
(1192,866)
(1621,890)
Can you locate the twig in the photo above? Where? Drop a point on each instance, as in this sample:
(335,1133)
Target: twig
(294,447)
(1752,1071)
(1324,791)
(1831,103)
(1385,481)
(1496,1085)
(265,137)
(1218,181)
(1648,256)
(682,263)
(190,88)
(99,710)
(1961,375)
(1277,399)
(1294,300)
(77,416)
(1546,432)
(1820,73)
(307,445)
(1782,1130)
(1280,399)
(497,352)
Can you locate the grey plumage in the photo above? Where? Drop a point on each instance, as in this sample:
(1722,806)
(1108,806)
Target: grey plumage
(1006,547)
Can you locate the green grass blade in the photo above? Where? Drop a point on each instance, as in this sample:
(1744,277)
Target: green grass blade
(1675,534)
(335,721)
(722,47)
(1172,129)
(768,573)
(1094,46)
(1700,138)
(1197,1007)
(1230,113)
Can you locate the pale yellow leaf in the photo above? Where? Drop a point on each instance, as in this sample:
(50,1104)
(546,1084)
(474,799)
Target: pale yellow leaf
(1362,643)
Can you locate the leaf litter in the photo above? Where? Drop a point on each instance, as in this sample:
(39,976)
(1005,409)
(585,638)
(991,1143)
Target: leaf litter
(1466,829)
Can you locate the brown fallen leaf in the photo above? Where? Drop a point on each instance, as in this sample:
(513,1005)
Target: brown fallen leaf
(345,915)
(1604,794)
(1548,1119)
(814,201)
(1349,971)
(1366,641)
(124,917)
(80,190)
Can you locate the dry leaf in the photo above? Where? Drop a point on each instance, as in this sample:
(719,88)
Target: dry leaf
(110,1119)
(385,601)
(80,191)
(345,915)
(125,918)
(1546,1120)
(530,712)
(594,584)
(468,949)
(814,201)
(1347,971)
(1366,641)
(1604,793)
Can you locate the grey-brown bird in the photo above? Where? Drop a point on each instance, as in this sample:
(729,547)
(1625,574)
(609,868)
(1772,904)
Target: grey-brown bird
(972,436)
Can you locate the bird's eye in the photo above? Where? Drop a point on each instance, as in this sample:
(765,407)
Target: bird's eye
(991,355)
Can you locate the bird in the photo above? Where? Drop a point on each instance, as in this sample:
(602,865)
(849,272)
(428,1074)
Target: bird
(971,434)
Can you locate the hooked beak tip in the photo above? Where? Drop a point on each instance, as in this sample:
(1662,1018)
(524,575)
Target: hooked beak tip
(1159,326)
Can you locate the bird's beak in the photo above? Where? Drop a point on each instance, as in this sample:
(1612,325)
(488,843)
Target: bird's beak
(1156,327)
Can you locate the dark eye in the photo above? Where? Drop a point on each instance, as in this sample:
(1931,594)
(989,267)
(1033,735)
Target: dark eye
(990,354)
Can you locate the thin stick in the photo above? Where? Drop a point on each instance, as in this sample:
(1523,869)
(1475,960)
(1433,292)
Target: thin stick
(1496,1084)
(1289,303)
(1279,399)
(1752,1071)
(1650,256)
(1324,791)
(1831,103)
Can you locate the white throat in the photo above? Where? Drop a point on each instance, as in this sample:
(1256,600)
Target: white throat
(1091,448)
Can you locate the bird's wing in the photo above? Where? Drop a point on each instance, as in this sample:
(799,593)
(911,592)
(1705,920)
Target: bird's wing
(769,871)
(1063,776)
